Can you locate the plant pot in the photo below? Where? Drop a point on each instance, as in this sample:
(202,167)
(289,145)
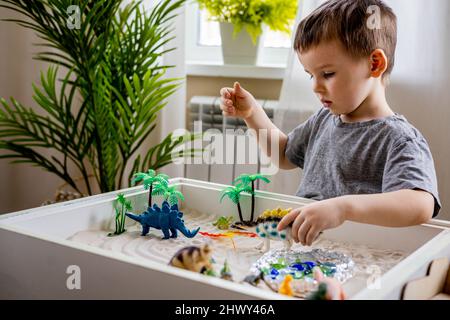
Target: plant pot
(239,49)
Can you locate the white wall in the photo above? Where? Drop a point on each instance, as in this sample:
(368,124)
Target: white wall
(420,87)
(21,186)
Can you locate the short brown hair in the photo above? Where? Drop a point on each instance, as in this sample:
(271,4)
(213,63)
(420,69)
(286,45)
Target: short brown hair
(347,21)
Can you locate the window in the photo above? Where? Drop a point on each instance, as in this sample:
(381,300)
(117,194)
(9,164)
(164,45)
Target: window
(203,43)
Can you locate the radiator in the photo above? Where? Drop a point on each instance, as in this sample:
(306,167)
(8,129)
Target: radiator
(205,111)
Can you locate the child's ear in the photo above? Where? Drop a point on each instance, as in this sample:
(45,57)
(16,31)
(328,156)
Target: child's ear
(378,63)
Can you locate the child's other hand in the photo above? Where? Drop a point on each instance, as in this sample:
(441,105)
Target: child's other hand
(237,102)
(310,220)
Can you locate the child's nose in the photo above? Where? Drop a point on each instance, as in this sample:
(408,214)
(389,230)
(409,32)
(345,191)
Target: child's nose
(318,87)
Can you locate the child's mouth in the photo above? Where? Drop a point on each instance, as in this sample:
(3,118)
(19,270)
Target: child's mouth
(326,103)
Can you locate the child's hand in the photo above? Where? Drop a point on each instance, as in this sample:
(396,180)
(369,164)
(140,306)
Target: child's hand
(310,220)
(237,102)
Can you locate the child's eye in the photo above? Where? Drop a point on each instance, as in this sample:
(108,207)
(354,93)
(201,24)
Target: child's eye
(328,75)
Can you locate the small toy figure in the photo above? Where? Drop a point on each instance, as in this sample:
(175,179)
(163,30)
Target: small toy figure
(286,286)
(197,259)
(225,272)
(266,228)
(121,207)
(328,289)
(168,218)
(254,279)
(223,223)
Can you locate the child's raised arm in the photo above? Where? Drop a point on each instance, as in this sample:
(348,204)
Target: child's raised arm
(238,102)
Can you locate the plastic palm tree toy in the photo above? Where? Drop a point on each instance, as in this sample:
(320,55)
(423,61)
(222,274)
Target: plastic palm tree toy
(170,194)
(249,179)
(124,205)
(150,178)
(234,194)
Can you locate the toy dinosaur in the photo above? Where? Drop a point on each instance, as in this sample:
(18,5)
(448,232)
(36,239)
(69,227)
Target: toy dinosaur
(223,223)
(165,218)
(225,272)
(197,259)
(266,228)
(286,286)
(328,289)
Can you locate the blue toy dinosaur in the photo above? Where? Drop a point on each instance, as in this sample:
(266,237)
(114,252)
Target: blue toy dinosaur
(165,219)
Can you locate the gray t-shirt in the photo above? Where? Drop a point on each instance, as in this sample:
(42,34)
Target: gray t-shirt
(376,156)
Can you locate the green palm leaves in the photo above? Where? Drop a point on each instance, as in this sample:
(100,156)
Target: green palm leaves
(249,179)
(247,185)
(100,99)
(122,206)
(171,194)
(234,194)
(149,178)
(159,186)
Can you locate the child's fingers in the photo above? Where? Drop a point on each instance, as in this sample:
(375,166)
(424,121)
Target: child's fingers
(227,109)
(228,114)
(303,231)
(227,102)
(311,236)
(226,92)
(296,226)
(287,219)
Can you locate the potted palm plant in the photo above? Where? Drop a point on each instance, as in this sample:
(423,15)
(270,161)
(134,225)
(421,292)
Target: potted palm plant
(242,22)
(100,97)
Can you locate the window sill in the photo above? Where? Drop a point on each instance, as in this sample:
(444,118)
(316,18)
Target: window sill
(211,69)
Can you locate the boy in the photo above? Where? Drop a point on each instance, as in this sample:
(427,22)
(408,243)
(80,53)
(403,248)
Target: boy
(363,161)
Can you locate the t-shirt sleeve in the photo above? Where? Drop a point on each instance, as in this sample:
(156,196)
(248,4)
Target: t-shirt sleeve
(410,165)
(298,140)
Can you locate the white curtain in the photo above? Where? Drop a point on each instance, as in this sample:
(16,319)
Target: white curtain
(420,81)
(18,71)
(296,104)
(419,85)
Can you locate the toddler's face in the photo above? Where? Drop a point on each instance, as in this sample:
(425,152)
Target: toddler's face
(340,81)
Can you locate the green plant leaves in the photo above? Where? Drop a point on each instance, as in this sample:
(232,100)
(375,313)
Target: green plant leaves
(278,15)
(234,192)
(247,179)
(100,99)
